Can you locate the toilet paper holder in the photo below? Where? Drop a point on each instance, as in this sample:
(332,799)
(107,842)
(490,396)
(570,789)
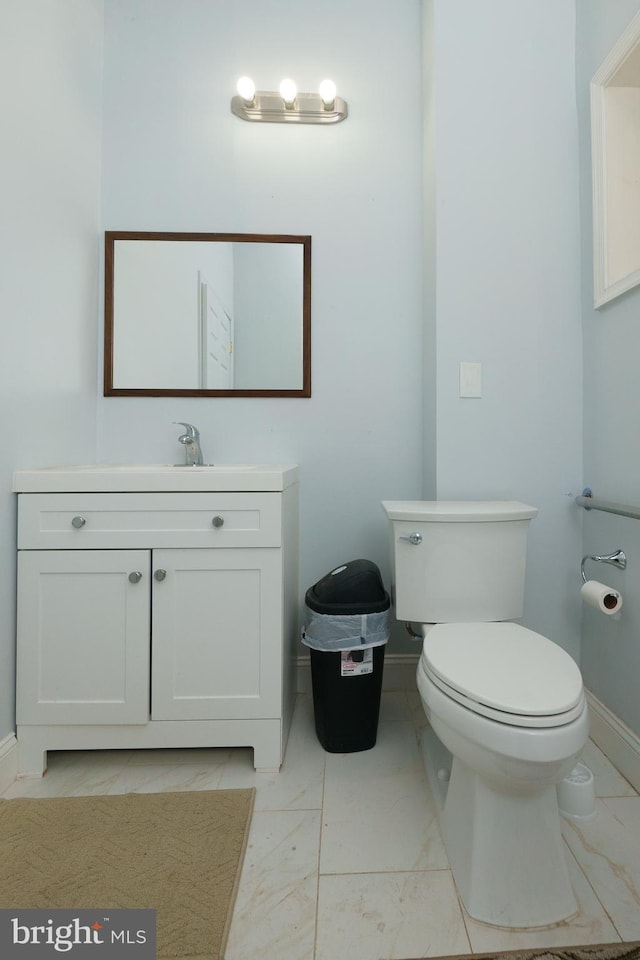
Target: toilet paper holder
(617,558)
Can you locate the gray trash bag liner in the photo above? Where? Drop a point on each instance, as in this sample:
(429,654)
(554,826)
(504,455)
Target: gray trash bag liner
(322,631)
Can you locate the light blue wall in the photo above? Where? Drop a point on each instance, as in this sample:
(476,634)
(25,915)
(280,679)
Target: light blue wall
(429,273)
(175,158)
(504,190)
(50,86)
(610,646)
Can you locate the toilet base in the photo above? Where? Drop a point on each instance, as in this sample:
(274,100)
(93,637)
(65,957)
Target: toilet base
(506,851)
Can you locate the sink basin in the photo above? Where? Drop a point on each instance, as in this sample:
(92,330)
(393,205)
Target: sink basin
(155,477)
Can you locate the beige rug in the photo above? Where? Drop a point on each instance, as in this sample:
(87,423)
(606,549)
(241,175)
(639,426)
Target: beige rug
(593,951)
(178,853)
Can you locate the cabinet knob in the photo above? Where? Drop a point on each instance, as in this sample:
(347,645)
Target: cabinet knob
(78,522)
(160,575)
(135,576)
(218,521)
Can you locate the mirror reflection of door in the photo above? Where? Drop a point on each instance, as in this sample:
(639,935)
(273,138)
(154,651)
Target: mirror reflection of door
(216,340)
(210,314)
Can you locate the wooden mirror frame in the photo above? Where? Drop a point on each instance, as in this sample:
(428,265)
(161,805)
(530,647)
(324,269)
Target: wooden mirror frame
(111,236)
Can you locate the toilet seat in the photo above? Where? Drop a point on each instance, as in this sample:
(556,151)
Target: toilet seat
(504,671)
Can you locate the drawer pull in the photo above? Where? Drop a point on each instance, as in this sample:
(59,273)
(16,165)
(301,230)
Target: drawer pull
(160,575)
(135,576)
(218,521)
(78,522)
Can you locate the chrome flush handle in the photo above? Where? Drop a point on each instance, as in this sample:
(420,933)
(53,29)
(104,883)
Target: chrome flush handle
(414,538)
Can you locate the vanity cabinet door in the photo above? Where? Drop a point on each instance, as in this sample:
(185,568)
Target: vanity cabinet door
(217,634)
(83,629)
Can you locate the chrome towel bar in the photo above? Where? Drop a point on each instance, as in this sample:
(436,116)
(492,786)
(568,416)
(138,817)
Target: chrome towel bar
(589,502)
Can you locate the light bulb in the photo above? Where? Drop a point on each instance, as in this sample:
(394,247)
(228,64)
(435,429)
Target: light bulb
(288,92)
(327,92)
(246,89)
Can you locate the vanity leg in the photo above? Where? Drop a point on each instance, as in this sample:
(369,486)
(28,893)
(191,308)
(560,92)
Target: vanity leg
(267,750)
(32,754)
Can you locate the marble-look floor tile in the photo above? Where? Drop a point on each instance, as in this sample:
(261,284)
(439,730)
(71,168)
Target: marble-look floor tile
(416,707)
(394,706)
(103,772)
(608,850)
(391,915)
(74,773)
(216,756)
(378,812)
(384,868)
(166,778)
(61,759)
(275,912)
(608,782)
(299,783)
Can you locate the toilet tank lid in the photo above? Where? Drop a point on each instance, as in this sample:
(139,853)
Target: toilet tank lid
(461,511)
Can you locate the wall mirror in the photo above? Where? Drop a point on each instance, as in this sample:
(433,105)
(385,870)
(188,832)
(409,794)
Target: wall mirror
(207,314)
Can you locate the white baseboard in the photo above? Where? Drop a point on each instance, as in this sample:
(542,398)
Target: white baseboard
(399,672)
(617,741)
(8,761)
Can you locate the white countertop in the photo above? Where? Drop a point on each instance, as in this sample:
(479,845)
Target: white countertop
(155,477)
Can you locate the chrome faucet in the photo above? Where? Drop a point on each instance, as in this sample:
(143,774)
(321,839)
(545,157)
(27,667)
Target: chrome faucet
(191,441)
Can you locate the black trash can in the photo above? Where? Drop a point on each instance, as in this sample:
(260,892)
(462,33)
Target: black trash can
(346,627)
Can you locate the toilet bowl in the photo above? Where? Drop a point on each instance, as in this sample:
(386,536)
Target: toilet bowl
(509,705)
(506,706)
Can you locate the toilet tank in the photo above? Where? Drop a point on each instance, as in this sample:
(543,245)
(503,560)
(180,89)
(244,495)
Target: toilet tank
(469,563)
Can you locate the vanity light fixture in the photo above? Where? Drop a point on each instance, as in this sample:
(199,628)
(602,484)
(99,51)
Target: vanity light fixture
(288,106)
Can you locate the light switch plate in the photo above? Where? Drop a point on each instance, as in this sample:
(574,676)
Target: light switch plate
(470,380)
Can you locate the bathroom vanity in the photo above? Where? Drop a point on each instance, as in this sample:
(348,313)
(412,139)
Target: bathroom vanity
(157,607)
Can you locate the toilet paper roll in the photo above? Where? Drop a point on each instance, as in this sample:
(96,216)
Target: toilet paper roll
(603,598)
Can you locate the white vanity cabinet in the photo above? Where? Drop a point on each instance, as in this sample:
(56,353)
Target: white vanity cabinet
(156,618)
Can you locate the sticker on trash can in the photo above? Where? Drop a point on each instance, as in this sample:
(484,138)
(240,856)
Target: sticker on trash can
(355,663)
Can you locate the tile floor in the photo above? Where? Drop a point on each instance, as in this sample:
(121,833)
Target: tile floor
(345,857)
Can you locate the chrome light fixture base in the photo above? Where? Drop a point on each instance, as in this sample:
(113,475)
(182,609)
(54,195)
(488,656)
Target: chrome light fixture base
(269,107)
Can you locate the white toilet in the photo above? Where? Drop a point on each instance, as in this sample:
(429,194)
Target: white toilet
(507,704)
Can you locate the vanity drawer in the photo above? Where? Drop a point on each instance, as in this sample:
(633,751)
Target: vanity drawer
(101,521)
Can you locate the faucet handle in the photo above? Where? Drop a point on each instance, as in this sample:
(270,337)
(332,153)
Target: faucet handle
(191,443)
(192,432)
